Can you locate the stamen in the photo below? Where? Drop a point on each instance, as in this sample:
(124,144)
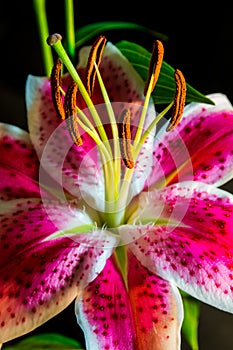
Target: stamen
(95,56)
(125,139)
(55,81)
(179,100)
(71,113)
(153,74)
(155,65)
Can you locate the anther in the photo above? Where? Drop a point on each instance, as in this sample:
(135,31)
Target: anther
(95,56)
(125,139)
(179,100)
(71,113)
(55,81)
(155,65)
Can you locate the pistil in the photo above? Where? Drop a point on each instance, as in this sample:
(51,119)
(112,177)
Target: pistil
(54,40)
(116,189)
(104,145)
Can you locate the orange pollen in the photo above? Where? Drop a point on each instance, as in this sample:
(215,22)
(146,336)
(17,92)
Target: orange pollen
(71,113)
(55,81)
(155,64)
(95,56)
(179,100)
(125,139)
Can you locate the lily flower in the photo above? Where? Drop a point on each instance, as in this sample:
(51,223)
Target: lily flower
(100,208)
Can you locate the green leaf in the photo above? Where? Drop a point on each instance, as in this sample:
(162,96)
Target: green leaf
(46,341)
(89,31)
(191,321)
(164,90)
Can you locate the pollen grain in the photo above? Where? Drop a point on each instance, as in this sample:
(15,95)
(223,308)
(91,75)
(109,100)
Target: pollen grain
(179,100)
(125,139)
(55,81)
(95,56)
(71,113)
(155,65)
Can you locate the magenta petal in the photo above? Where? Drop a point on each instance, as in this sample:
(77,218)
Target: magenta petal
(199,148)
(40,273)
(104,314)
(195,248)
(19,165)
(157,308)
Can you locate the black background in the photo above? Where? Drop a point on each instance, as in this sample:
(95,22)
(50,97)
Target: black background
(200,44)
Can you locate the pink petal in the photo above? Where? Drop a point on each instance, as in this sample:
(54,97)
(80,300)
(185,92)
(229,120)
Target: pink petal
(199,148)
(194,248)
(157,308)
(19,166)
(41,272)
(68,164)
(104,313)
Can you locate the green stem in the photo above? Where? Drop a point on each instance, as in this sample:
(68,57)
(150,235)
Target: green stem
(42,23)
(70,28)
